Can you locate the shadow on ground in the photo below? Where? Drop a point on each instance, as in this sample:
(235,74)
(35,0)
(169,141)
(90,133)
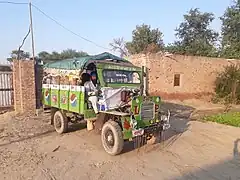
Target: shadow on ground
(46,130)
(228,169)
(37,135)
(180,116)
(77,127)
(16,129)
(179,120)
(72,127)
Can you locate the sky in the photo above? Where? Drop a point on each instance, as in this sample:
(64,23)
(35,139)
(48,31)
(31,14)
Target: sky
(98,21)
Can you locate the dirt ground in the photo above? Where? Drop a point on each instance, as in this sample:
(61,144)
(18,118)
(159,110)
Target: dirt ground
(30,149)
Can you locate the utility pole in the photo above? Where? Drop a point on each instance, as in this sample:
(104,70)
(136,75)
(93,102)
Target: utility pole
(31,28)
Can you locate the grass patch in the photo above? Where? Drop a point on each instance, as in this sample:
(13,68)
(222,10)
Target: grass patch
(231,118)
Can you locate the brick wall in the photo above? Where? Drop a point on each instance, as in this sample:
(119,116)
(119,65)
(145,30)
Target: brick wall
(197,74)
(24,87)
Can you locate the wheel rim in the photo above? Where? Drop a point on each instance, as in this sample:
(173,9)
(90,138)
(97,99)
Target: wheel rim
(109,138)
(58,123)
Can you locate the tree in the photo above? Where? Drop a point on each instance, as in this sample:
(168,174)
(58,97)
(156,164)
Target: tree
(119,45)
(44,55)
(15,54)
(194,35)
(175,47)
(231,31)
(65,54)
(145,39)
(70,53)
(48,57)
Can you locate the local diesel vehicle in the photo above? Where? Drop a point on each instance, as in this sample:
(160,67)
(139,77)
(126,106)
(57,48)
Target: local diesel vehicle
(126,112)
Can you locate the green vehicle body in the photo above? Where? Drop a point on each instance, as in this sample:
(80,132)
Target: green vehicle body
(143,118)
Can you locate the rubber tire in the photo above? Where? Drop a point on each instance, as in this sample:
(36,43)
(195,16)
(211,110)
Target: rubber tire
(118,138)
(64,122)
(53,111)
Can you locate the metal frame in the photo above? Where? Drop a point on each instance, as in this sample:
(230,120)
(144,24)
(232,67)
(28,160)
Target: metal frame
(6,89)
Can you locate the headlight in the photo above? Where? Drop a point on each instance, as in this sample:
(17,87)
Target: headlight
(165,116)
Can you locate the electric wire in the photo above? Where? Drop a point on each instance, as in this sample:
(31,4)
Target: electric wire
(58,23)
(10,2)
(67,29)
(24,39)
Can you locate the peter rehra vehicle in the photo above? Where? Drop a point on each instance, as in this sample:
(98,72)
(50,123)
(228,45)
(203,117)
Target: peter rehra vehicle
(124,110)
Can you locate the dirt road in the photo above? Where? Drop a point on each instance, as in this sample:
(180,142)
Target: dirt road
(30,149)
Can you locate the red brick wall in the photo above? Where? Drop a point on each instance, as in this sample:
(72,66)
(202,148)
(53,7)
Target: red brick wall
(24,87)
(197,74)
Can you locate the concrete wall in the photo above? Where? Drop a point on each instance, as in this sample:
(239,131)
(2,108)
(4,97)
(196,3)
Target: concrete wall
(24,87)
(197,74)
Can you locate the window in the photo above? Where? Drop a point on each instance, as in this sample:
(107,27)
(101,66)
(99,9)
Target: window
(119,76)
(176,80)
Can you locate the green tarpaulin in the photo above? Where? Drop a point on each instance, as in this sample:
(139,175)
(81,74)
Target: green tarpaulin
(78,63)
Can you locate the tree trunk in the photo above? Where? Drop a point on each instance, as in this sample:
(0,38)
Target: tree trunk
(234,89)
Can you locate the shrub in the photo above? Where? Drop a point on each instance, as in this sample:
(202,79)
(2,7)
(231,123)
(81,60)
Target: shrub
(231,118)
(227,85)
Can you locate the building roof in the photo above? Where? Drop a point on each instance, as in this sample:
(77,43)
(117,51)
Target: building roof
(5,67)
(79,63)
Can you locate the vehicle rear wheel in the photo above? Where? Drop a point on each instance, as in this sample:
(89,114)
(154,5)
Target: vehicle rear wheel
(60,122)
(112,138)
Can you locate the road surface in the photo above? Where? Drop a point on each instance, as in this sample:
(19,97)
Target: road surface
(30,149)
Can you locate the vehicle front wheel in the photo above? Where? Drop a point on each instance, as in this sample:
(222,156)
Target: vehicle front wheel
(60,122)
(112,138)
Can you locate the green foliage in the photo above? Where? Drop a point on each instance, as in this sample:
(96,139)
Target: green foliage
(175,48)
(195,36)
(227,85)
(231,118)
(70,53)
(231,31)
(18,55)
(65,54)
(145,39)
(46,56)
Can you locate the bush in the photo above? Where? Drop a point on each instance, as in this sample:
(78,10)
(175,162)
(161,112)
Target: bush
(227,85)
(231,118)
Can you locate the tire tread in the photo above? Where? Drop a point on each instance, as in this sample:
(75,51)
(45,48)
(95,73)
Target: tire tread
(119,141)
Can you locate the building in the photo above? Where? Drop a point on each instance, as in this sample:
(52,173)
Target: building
(179,76)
